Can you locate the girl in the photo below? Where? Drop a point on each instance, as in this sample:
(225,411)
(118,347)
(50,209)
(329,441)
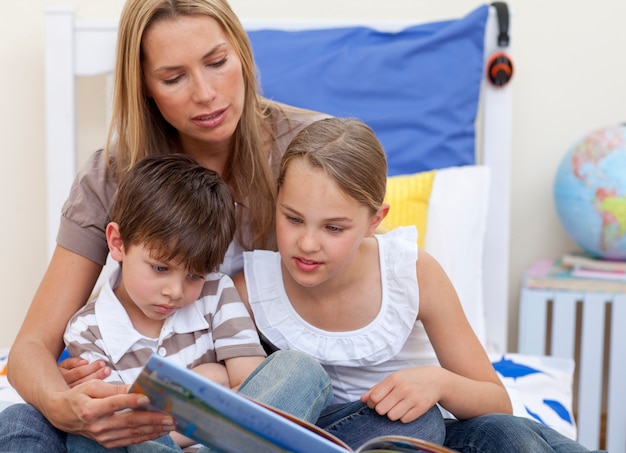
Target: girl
(382,318)
(386,325)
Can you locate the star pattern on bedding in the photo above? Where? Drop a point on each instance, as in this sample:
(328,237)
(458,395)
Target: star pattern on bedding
(543,388)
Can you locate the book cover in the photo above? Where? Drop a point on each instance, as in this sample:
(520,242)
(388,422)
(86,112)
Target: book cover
(228,422)
(584,261)
(584,272)
(553,274)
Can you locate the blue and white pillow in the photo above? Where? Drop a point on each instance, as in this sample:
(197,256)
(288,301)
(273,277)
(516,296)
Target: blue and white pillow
(540,388)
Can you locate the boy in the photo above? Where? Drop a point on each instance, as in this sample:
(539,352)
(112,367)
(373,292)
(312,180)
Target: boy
(171,224)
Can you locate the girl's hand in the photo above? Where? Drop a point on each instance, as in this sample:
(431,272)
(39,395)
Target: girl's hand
(97,410)
(76,371)
(406,394)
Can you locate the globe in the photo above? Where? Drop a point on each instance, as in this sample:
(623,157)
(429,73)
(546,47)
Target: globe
(590,193)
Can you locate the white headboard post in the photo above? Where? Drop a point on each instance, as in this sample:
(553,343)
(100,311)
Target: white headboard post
(74,48)
(496,154)
(60,113)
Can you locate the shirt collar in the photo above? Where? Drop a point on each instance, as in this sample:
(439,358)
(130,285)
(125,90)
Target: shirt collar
(118,332)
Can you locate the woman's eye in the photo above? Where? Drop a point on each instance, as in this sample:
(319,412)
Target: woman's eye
(219,63)
(172,81)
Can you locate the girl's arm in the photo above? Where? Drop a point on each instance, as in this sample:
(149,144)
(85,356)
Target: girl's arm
(88,408)
(469,385)
(465,384)
(239,281)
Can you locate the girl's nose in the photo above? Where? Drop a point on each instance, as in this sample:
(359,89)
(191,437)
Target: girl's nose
(308,242)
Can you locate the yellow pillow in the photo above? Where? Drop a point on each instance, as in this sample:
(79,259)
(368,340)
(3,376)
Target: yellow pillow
(408,197)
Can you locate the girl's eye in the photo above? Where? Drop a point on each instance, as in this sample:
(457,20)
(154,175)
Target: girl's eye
(293,219)
(334,229)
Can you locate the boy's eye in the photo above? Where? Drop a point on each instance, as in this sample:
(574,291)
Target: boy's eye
(159,268)
(196,277)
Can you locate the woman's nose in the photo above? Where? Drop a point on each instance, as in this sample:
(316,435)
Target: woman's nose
(203,89)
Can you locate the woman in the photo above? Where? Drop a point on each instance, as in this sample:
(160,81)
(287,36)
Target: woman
(184,82)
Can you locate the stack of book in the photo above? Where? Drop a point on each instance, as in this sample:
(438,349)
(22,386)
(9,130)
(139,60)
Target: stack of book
(578,272)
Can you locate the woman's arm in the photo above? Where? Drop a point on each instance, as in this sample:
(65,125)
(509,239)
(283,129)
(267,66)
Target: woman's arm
(32,369)
(65,287)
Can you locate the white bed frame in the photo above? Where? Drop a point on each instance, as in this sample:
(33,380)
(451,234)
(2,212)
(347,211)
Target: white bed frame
(86,47)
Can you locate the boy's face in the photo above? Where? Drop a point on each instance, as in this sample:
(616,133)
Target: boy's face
(151,290)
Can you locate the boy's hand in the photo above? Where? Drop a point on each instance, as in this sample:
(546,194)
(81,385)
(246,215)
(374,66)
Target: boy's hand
(76,371)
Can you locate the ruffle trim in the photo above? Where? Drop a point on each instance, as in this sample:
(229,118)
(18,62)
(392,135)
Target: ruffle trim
(375,343)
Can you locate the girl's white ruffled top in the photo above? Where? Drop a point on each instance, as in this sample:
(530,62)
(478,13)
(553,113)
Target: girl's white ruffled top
(358,359)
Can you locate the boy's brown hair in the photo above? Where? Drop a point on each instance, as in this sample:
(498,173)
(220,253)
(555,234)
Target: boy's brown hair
(180,211)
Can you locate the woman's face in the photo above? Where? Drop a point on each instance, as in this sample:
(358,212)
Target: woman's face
(194,75)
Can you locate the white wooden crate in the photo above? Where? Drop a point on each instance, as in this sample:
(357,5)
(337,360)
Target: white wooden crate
(589,327)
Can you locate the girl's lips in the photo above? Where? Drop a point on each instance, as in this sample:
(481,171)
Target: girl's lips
(210,119)
(307,265)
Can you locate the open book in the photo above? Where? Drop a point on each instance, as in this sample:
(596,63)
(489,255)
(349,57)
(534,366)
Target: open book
(229,422)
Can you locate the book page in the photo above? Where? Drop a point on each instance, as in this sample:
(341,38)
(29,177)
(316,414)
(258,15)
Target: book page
(400,444)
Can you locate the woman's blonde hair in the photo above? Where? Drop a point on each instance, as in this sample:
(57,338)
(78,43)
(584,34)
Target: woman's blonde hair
(138,128)
(349,152)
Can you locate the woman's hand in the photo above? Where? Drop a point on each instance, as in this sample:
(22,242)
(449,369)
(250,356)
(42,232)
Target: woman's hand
(76,370)
(97,410)
(405,395)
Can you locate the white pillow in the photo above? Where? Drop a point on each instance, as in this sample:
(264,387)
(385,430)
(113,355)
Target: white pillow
(456,222)
(540,388)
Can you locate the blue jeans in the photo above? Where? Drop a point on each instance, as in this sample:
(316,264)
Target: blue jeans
(287,380)
(355,423)
(498,433)
(23,428)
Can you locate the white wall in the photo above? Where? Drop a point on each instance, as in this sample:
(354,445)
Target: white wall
(570,67)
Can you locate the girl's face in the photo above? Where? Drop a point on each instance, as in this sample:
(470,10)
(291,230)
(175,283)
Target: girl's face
(195,77)
(319,228)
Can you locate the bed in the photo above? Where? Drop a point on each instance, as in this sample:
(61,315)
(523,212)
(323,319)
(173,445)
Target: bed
(446,129)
